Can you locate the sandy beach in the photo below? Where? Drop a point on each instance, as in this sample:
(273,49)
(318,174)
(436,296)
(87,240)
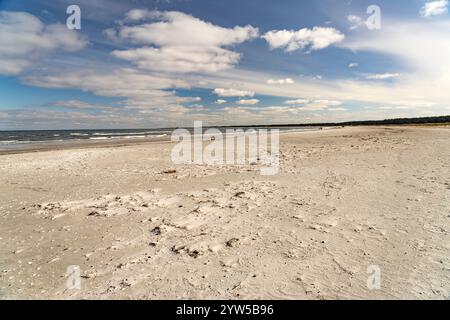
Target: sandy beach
(140,227)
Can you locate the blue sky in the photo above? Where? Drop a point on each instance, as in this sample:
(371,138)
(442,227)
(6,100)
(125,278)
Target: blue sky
(169,63)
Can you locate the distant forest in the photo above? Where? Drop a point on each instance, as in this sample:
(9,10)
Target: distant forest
(400,121)
(440,119)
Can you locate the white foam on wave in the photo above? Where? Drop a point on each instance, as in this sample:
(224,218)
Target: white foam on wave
(79,134)
(99,138)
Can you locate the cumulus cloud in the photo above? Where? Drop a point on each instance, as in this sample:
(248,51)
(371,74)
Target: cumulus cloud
(353,65)
(177,42)
(222,92)
(248,102)
(25,39)
(280,81)
(180,59)
(140,14)
(221,101)
(382,76)
(434,8)
(304,39)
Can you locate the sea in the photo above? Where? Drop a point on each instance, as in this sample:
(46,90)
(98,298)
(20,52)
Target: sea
(34,138)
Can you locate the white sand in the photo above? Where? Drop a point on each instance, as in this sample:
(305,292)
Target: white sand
(344,200)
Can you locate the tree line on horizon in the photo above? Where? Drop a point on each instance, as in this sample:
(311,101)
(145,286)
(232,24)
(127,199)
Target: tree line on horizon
(397,121)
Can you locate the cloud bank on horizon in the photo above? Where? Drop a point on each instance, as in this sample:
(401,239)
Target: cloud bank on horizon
(171,63)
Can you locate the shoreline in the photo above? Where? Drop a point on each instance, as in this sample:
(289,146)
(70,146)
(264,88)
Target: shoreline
(118,142)
(81,144)
(115,142)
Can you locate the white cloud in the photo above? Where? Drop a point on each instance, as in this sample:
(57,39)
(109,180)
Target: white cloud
(318,105)
(297,101)
(286,112)
(356,22)
(140,14)
(221,101)
(280,81)
(415,103)
(382,76)
(434,8)
(337,109)
(304,39)
(222,92)
(180,59)
(420,46)
(25,40)
(248,102)
(353,65)
(178,42)
(328,102)
(80,105)
(56,119)
(302,105)
(140,91)
(197,107)
(173,28)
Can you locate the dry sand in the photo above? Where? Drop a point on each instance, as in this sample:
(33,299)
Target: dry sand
(344,199)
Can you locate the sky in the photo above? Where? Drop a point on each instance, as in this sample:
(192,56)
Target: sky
(168,63)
